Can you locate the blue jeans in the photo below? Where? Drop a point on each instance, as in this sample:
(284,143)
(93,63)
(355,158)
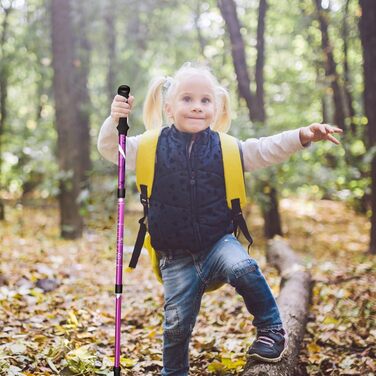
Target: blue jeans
(185,278)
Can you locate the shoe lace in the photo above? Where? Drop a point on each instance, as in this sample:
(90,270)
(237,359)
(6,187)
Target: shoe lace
(266,339)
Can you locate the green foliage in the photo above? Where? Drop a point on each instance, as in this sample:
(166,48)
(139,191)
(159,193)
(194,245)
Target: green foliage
(157,39)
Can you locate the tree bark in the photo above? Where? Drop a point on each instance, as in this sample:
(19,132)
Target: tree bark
(330,68)
(82,69)
(256,106)
(228,11)
(346,71)
(35,177)
(293,302)
(260,61)
(272,218)
(67,115)
(200,38)
(110,22)
(368,37)
(271,215)
(325,112)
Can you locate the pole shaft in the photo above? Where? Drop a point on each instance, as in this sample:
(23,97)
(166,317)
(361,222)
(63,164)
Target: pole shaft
(122,128)
(119,247)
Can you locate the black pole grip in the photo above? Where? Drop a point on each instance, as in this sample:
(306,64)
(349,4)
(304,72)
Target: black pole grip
(123,127)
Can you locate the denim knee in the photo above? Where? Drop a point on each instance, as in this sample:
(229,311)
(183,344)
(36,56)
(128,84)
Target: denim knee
(241,268)
(175,326)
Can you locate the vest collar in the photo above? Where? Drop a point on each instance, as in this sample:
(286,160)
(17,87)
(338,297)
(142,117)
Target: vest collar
(201,137)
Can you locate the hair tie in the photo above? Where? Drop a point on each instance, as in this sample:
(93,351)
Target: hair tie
(168,82)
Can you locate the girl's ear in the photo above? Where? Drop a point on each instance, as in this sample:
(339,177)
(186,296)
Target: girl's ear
(168,111)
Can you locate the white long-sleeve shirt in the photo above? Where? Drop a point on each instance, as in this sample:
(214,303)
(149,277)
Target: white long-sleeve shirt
(257,152)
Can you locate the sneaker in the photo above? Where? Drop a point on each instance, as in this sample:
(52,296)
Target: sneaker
(269,346)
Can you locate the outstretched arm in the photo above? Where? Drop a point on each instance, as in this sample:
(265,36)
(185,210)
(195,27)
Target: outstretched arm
(267,151)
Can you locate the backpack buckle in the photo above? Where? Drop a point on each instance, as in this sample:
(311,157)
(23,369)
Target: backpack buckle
(144,195)
(144,200)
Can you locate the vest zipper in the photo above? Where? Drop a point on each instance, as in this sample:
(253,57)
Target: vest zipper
(192,177)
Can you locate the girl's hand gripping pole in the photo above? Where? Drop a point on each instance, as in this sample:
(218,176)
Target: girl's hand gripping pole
(123,130)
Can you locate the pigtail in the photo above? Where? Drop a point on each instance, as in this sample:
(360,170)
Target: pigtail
(152,111)
(222,121)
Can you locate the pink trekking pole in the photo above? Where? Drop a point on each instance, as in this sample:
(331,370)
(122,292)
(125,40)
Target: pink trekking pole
(122,128)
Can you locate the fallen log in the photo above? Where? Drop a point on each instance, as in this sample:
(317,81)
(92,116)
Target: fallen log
(293,301)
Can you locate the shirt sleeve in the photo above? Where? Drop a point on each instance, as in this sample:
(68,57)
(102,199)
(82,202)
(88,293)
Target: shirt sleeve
(267,151)
(107,145)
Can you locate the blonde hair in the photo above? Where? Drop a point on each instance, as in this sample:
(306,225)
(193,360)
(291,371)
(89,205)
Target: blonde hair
(163,88)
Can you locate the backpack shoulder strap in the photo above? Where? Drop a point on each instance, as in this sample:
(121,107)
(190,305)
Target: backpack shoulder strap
(234,182)
(145,163)
(145,159)
(233,169)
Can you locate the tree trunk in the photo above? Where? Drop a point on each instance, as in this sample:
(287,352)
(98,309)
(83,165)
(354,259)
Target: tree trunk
(272,220)
(293,302)
(260,61)
(200,37)
(228,11)
(330,68)
(35,177)
(111,41)
(67,118)
(3,90)
(346,72)
(325,112)
(82,65)
(368,37)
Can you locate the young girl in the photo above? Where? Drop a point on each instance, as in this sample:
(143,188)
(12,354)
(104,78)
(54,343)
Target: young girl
(192,232)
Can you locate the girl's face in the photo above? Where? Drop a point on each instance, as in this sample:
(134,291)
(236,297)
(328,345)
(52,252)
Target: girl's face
(192,109)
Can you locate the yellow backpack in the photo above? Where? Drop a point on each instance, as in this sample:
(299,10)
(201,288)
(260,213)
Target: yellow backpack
(234,182)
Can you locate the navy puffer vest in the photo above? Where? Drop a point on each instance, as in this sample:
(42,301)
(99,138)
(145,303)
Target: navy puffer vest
(187,207)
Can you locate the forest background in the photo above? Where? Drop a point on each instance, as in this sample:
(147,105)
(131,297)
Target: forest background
(286,65)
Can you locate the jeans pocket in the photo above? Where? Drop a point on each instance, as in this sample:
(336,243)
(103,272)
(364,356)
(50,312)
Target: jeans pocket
(244,267)
(172,324)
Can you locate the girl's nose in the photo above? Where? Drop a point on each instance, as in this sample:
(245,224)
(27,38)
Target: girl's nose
(197,107)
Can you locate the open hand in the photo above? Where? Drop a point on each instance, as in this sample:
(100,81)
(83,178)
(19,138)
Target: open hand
(317,132)
(121,107)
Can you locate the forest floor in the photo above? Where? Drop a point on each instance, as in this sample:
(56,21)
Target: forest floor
(69,330)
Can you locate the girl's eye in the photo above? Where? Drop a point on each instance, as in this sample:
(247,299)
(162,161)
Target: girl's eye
(206,100)
(186,98)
